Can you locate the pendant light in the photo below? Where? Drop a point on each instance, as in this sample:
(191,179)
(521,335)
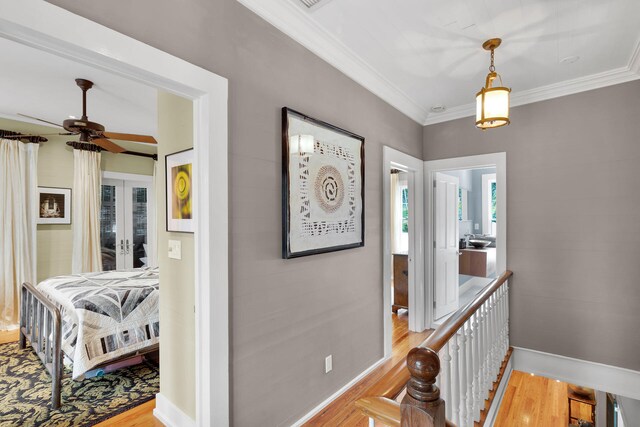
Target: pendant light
(492,103)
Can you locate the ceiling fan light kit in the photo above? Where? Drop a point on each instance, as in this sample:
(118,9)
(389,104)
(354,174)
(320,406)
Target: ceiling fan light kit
(492,102)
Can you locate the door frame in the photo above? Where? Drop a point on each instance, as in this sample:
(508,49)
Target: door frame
(392,158)
(44,26)
(151,204)
(497,160)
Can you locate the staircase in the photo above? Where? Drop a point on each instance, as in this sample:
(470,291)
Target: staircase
(452,378)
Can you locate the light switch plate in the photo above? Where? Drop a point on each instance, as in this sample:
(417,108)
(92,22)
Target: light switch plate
(328,364)
(175,249)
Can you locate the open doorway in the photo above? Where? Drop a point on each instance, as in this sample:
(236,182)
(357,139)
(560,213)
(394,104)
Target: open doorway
(466,207)
(206,94)
(403,270)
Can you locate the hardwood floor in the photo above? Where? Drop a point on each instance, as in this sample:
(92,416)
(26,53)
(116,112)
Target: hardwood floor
(537,402)
(140,416)
(342,411)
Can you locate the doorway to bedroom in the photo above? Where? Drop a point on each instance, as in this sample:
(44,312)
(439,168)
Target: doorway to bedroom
(106,291)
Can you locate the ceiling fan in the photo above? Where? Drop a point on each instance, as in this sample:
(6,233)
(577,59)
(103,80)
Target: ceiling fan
(92,132)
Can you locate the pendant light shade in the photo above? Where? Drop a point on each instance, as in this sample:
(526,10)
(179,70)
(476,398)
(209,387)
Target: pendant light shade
(492,103)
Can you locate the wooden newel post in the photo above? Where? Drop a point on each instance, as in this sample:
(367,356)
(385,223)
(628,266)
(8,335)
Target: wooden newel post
(422,406)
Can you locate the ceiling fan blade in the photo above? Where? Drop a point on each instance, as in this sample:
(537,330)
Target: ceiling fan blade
(110,146)
(40,120)
(130,137)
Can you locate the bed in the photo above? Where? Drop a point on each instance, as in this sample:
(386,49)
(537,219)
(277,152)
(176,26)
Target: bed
(93,319)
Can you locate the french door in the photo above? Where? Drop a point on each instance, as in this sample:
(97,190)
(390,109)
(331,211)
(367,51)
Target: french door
(124,223)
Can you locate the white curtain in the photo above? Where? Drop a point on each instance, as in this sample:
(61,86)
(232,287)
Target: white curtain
(396,213)
(18,209)
(152,224)
(86,212)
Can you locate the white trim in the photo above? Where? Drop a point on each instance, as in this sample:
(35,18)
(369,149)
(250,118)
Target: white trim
(497,160)
(127,176)
(337,394)
(598,376)
(300,26)
(170,415)
(50,28)
(543,93)
(497,398)
(414,167)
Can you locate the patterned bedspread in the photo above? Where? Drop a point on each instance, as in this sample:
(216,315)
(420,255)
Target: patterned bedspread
(105,315)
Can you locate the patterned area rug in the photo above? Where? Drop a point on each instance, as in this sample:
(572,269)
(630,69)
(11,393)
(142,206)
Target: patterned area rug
(25,392)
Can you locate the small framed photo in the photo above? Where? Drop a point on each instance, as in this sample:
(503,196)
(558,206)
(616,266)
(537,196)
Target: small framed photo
(179,174)
(54,205)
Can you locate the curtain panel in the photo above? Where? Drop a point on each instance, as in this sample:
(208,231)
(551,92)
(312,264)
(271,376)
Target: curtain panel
(87,180)
(18,210)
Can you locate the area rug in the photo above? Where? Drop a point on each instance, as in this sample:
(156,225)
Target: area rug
(25,392)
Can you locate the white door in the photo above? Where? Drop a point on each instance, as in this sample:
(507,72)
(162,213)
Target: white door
(124,218)
(445,214)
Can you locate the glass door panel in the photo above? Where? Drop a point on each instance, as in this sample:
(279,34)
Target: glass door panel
(139,206)
(108,227)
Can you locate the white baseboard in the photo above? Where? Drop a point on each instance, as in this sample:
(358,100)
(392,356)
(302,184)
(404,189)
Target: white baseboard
(335,395)
(170,415)
(598,376)
(497,399)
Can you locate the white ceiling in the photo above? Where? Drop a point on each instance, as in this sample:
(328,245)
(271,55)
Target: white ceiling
(41,84)
(416,54)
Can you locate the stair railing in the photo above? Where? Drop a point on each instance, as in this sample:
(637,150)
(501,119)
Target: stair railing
(459,363)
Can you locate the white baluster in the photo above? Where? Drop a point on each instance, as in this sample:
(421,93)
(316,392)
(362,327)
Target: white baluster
(478,364)
(494,339)
(446,379)
(455,379)
(464,386)
(470,356)
(506,290)
(487,351)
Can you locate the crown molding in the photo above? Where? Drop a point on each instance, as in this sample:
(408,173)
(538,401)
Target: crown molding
(300,26)
(543,93)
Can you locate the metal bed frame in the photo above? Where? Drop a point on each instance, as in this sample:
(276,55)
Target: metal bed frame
(41,325)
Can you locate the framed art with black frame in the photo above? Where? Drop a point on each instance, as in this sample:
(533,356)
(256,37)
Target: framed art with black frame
(179,177)
(322,187)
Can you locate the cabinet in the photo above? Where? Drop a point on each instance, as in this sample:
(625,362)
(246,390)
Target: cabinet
(400,282)
(478,262)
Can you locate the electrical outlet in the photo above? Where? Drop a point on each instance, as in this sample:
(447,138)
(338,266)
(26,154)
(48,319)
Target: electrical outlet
(476,226)
(328,364)
(175,249)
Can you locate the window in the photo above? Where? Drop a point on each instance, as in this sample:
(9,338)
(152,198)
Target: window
(462,204)
(405,210)
(489,202)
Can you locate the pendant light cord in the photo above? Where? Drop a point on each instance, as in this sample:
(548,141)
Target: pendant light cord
(492,67)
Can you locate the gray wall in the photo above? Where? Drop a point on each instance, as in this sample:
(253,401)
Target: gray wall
(286,316)
(573,218)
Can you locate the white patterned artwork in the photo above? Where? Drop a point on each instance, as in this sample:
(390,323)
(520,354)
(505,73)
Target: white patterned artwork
(323,181)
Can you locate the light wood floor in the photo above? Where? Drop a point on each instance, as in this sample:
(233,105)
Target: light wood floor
(140,416)
(537,402)
(342,411)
